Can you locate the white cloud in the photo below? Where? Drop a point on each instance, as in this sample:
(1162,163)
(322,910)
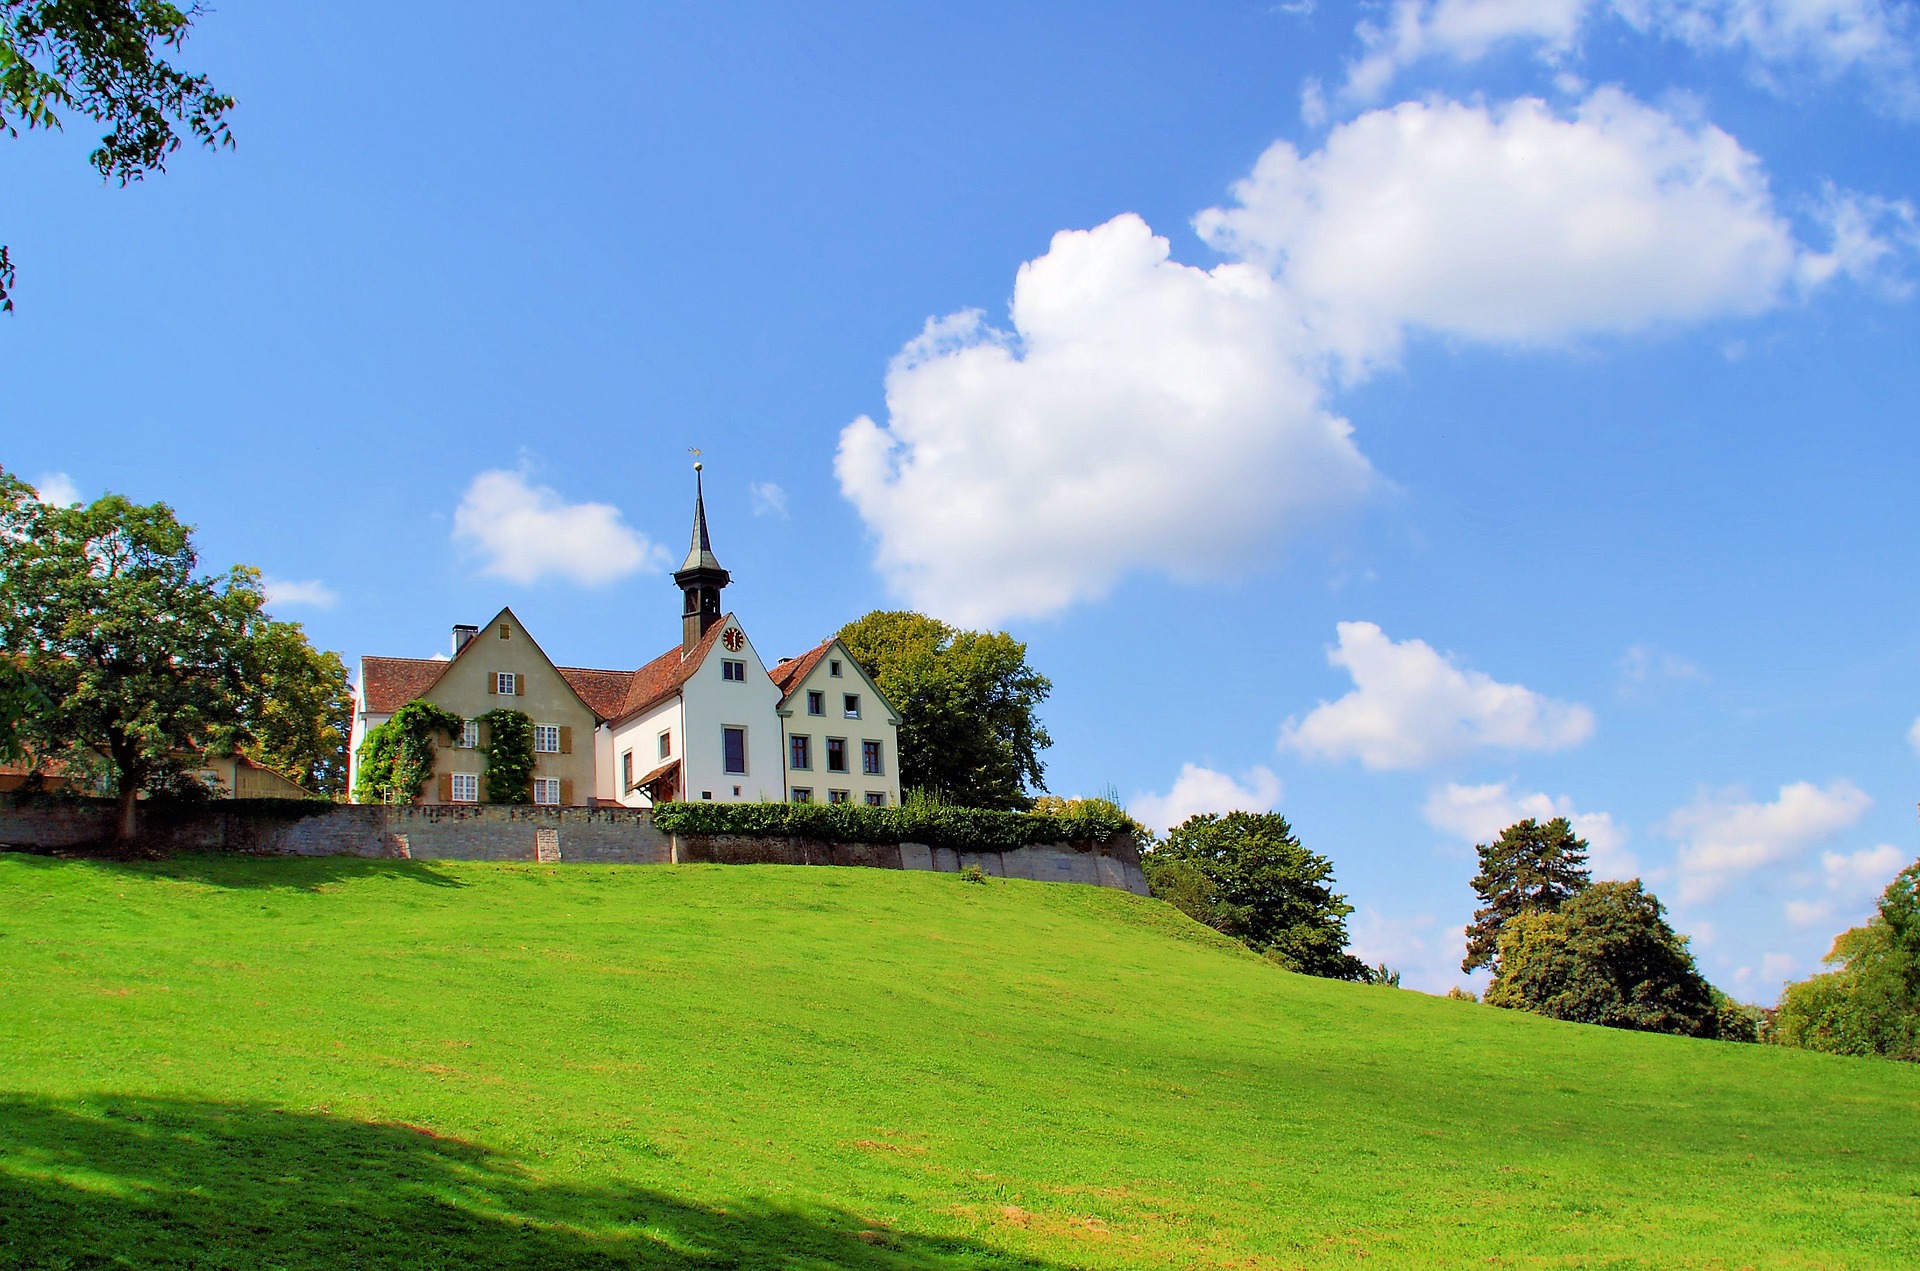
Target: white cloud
(285,591)
(1809,913)
(1913,736)
(1781,40)
(1724,839)
(1412,706)
(1645,663)
(1512,224)
(58,489)
(1198,790)
(1477,814)
(1140,414)
(1426,954)
(1143,414)
(768,499)
(1866,872)
(525,532)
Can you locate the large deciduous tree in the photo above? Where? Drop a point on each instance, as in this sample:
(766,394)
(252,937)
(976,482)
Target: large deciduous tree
(1530,868)
(104,59)
(136,660)
(1607,956)
(1869,1004)
(968,702)
(1246,875)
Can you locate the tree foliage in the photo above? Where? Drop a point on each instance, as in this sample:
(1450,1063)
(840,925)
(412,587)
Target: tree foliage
(103,58)
(1870,1003)
(967,702)
(1530,868)
(1246,875)
(134,655)
(1606,956)
(508,747)
(300,712)
(396,757)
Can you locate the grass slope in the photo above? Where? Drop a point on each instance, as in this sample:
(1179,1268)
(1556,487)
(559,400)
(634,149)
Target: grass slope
(333,1063)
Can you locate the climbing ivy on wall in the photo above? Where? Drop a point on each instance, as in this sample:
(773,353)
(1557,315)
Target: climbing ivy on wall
(396,758)
(508,745)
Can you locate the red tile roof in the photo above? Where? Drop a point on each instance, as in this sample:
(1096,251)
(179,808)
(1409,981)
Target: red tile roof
(662,677)
(787,675)
(387,684)
(602,691)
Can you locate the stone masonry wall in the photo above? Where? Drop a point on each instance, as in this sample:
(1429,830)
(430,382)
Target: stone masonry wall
(487,832)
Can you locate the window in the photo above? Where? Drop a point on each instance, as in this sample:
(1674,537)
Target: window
(506,683)
(546,739)
(800,752)
(504,629)
(850,703)
(837,796)
(816,703)
(469,735)
(666,744)
(626,770)
(870,758)
(466,787)
(733,746)
(875,799)
(802,795)
(731,670)
(836,754)
(706,794)
(833,667)
(546,791)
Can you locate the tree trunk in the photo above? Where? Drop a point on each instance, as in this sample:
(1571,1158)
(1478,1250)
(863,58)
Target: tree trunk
(126,825)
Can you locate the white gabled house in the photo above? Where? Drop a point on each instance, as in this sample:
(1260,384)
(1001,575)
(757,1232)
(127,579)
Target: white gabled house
(706,720)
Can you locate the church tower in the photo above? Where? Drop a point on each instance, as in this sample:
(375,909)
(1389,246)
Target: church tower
(700,578)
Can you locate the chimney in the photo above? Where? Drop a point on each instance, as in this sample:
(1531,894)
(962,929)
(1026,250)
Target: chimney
(461,634)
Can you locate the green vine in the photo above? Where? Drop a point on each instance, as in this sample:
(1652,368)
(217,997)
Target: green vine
(396,758)
(508,746)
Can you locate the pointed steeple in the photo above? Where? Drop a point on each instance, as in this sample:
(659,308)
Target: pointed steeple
(700,554)
(700,578)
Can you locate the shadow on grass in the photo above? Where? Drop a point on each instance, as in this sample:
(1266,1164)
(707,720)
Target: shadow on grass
(236,870)
(133,1182)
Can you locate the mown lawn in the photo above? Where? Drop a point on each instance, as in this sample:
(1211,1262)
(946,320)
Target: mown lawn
(305,1064)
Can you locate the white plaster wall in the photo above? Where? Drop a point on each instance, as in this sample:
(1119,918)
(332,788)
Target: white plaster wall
(713,703)
(876,723)
(641,734)
(606,780)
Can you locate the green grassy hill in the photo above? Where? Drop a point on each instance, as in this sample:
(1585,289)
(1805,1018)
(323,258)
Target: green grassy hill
(333,1063)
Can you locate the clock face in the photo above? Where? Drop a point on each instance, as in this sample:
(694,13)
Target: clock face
(732,638)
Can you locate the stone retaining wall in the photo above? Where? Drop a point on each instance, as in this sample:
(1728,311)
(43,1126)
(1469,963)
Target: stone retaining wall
(489,832)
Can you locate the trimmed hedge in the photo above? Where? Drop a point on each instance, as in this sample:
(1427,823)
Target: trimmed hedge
(964,829)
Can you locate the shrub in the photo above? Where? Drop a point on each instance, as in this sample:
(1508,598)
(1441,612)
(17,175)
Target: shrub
(917,821)
(973,874)
(396,757)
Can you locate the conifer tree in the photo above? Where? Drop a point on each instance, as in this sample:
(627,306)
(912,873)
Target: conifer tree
(1530,868)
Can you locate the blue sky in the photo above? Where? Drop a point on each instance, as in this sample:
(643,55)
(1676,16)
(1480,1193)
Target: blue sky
(1431,414)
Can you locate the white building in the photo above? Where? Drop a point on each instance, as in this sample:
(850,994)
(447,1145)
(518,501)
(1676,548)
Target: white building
(706,720)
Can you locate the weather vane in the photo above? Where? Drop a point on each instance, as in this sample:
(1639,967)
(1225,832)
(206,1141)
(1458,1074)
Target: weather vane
(695,452)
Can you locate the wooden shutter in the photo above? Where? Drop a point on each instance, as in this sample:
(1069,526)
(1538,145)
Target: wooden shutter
(566,739)
(446,787)
(566,792)
(493,683)
(519,686)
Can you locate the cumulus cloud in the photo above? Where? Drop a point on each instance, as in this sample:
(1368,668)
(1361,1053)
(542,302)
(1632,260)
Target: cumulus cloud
(58,489)
(768,499)
(1781,41)
(1139,413)
(312,592)
(524,533)
(1724,838)
(1913,736)
(1426,953)
(1198,790)
(1412,706)
(1477,814)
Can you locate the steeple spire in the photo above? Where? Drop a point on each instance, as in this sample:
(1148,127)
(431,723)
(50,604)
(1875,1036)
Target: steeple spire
(700,578)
